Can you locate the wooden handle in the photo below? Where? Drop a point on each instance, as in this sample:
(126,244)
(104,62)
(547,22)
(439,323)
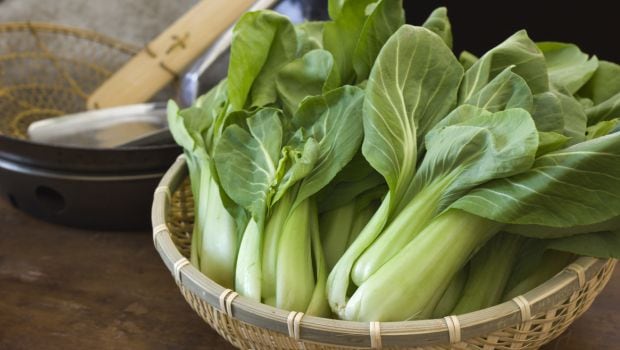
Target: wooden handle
(164,58)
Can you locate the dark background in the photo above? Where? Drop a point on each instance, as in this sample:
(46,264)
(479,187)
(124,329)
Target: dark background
(478,26)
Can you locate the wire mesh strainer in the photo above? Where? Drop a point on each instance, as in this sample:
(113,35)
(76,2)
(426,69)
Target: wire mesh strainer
(47,70)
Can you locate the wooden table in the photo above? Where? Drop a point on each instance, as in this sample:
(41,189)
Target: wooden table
(63,288)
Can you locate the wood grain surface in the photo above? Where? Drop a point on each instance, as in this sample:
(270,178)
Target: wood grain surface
(63,288)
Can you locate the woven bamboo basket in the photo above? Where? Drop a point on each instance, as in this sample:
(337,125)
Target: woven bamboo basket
(527,322)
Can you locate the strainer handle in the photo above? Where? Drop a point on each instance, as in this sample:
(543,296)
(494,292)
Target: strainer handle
(164,58)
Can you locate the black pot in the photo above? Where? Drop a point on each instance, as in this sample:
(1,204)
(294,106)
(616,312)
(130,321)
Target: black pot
(86,188)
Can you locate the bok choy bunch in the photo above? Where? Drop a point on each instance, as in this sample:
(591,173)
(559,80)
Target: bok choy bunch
(356,168)
(270,138)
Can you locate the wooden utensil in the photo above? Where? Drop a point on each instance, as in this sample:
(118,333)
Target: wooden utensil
(164,58)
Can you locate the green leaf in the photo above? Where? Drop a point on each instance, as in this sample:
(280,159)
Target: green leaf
(489,271)
(246,161)
(604,83)
(549,142)
(607,110)
(507,90)
(547,112)
(575,119)
(263,42)
(556,112)
(467,59)
(585,102)
(296,163)
(535,266)
(345,192)
(190,127)
(550,232)
(216,105)
(574,186)
(384,20)
(340,36)
(602,128)
(334,7)
(356,177)
(309,36)
(439,24)
(412,86)
(568,67)
(334,121)
(518,51)
(197,122)
(603,89)
(177,127)
(478,149)
(357,169)
(309,75)
(599,245)
(538,254)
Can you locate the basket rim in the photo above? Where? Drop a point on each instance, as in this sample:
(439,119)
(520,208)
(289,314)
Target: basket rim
(81,33)
(352,333)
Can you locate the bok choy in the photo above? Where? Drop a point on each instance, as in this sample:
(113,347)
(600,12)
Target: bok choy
(356,168)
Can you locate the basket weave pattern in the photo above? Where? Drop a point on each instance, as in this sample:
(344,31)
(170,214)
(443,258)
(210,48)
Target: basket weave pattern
(47,70)
(540,329)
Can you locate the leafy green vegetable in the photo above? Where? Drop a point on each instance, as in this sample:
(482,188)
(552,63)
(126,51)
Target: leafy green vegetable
(341,36)
(420,269)
(547,266)
(602,128)
(386,17)
(368,202)
(263,42)
(506,90)
(518,51)
(439,24)
(451,295)
(574,186)
(603,89)
(309,37)
(310,75)
(467,59)
(318,305)
(604,83)
(568,67)
(334,120)
(600,244)
(489,271)
(549,142)
(476,148)
(404,101)
(607,110)
(294,261)
(213,251)
(247,160)
(559,113)
(335,226)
